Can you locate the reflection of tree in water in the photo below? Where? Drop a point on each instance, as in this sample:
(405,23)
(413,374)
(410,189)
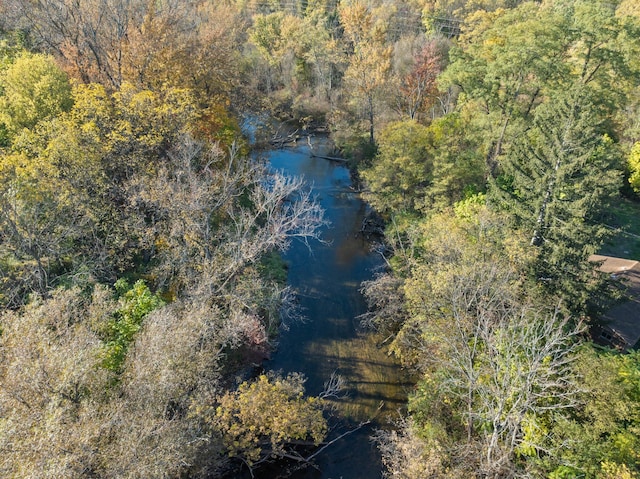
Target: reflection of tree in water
(352,244)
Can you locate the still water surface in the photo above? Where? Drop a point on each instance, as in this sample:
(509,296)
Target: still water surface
(328,279)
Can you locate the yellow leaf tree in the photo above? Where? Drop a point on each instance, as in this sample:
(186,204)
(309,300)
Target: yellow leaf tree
(263,417)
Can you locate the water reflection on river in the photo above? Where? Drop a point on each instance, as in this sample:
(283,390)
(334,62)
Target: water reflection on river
(328,280)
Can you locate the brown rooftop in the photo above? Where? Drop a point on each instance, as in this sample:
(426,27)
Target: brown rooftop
(621,324)
(613,265)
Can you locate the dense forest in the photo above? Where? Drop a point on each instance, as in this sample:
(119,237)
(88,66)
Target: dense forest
(139,239)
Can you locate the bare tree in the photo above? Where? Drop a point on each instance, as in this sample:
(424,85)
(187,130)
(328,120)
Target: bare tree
(202,231)
(406,455)
(387,307)
(142,42)
(499,365)
(529,363)
(51,385)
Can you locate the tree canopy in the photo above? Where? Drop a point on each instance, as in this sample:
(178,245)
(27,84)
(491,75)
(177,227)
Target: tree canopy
(493,137)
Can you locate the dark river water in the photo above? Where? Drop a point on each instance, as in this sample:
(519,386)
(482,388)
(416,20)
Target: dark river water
(328,278)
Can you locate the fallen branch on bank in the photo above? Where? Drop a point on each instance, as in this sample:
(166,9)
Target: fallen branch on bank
(281,141)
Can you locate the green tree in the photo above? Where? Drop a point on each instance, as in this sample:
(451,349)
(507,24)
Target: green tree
(136,303)
(505,70)
(320,49)
(446,17)
(556,182)
(402,169)
(599,438)
(604,46)
(507,61)
(459,169)
(419,168)
(272,37)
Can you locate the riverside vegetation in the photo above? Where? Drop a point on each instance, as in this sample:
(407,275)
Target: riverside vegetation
(495,138)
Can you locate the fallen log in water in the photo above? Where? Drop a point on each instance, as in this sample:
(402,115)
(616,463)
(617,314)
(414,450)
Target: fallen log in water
(330,158)
(324,157)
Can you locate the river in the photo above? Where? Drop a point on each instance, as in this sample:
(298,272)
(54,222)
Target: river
(328,278)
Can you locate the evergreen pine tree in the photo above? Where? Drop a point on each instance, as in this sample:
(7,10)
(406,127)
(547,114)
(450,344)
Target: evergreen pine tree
(557,181)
